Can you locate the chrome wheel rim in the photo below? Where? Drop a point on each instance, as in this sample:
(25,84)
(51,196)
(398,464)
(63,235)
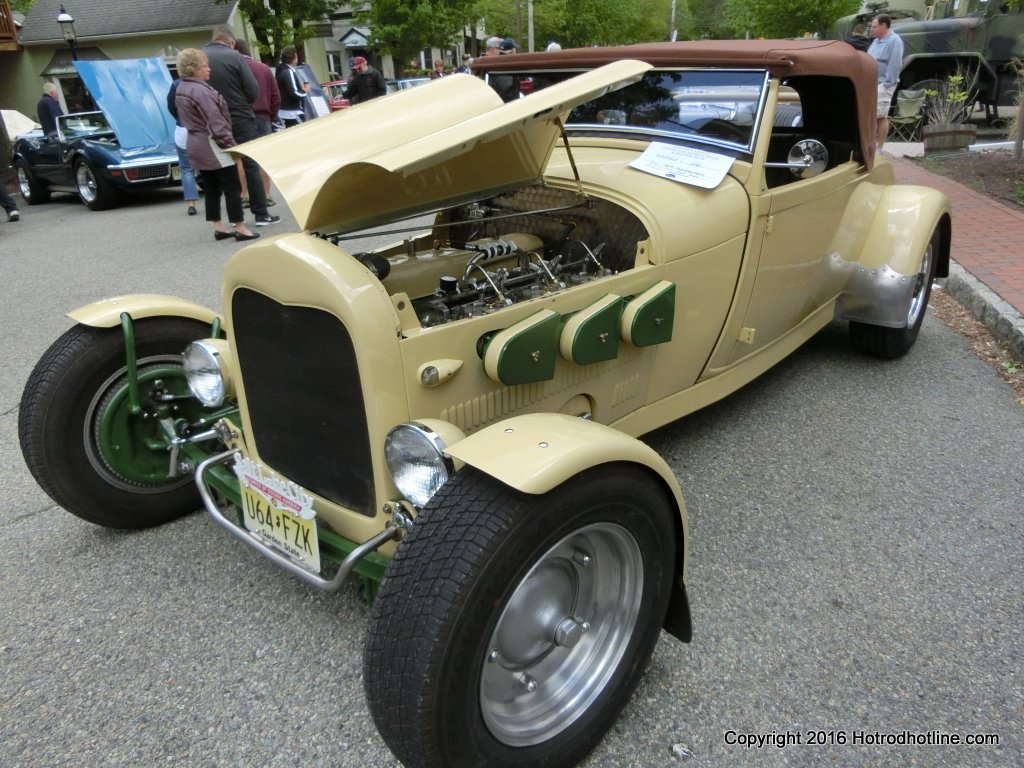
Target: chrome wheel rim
(921,287)
(23,185)
(561,635)
(86,182)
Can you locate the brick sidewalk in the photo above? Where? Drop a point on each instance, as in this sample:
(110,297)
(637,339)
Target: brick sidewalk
(988,236)
(988,242)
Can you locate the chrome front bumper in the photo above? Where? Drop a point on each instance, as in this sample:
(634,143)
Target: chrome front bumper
(284,561)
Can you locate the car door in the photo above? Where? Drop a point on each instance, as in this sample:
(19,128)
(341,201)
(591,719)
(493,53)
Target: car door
(794,275)
(48,164)
(794,228)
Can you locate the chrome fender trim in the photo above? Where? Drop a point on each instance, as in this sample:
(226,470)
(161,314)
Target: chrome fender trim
(318,581)
(877,296)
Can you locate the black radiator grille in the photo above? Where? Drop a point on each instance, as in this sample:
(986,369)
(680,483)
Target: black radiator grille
(147,172)
(302,388)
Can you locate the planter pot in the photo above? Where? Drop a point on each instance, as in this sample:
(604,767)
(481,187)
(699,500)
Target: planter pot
(955,137)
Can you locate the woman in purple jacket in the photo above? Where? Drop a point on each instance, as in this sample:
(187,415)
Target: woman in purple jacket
(203,111)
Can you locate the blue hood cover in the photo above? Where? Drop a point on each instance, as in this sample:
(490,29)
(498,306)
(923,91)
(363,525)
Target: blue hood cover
(132,93)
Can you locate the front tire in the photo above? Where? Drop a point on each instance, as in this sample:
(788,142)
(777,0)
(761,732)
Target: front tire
(511,629)
(93,189)
(82,442)
(32,191)
(890,343)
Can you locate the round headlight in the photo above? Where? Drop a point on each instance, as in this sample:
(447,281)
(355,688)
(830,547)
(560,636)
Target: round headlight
(206,372)
(417,462)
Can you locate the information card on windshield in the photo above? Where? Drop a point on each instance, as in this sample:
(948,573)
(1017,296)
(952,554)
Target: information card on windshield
(684,164)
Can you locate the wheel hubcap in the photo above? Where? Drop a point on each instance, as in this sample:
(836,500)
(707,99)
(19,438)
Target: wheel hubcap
(561,635)
(921,287)
(86,183)
(23,185)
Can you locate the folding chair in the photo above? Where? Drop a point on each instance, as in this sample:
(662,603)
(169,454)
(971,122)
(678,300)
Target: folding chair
(905,124)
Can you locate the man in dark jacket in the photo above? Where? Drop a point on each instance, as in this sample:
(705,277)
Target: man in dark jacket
(366,82)
(231,76)
(294,92)
(49,110)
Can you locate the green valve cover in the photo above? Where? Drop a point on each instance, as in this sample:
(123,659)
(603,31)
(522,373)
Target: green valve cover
(592,334)
(648,318)
(525,353)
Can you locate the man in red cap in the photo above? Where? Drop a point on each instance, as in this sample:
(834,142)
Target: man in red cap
(366,82)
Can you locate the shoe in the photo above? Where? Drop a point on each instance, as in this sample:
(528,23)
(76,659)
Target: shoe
(240,236)
(271,201)
(245,202)
(218,235)
(191,210)
(14,216)
(262,221)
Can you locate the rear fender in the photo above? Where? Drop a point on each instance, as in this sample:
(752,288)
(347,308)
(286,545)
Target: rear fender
(879,285)
(535,453)
(106,313)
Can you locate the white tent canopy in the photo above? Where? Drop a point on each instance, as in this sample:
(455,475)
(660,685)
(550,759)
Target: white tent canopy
(17,123)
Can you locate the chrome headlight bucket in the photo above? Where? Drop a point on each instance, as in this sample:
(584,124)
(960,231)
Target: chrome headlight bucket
(417,462)
(207,371)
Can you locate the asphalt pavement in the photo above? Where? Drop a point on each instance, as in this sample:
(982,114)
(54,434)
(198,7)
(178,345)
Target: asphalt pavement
(855,576)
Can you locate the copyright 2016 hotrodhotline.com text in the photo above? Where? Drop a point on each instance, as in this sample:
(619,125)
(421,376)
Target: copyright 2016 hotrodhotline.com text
(857,738)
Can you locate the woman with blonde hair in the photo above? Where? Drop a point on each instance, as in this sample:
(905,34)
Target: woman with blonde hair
(203,111)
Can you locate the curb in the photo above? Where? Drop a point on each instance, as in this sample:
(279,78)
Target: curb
(995,313)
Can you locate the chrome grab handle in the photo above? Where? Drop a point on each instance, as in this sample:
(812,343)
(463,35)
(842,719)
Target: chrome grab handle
(328,585)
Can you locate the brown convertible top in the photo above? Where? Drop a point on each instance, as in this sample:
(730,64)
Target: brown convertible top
(782,58)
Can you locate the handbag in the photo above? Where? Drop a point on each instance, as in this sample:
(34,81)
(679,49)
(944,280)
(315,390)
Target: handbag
(219,154)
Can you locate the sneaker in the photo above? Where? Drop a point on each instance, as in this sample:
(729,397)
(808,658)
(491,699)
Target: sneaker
(14,216)
(245,202)
(271,201)
(262,221)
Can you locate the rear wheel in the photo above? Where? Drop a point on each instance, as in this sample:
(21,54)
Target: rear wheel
(84,443)
(32,191)
(511,629)
(93,189)
(891,343)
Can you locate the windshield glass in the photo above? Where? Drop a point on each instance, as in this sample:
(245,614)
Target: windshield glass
(714,106)
(83,124)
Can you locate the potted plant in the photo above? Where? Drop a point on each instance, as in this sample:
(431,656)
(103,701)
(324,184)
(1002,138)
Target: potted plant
(946,110)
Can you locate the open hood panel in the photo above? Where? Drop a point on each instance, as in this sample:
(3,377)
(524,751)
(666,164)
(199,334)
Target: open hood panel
(132,94)
(442,143)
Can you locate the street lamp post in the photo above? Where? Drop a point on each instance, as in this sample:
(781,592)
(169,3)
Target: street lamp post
(67,28)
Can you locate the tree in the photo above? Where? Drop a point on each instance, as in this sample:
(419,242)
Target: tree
(405,27)
(278,23)
(709,19)
(579,23)
(785,18)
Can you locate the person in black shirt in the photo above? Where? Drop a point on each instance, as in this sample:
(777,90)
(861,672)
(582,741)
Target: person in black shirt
(293,90)
(366,82)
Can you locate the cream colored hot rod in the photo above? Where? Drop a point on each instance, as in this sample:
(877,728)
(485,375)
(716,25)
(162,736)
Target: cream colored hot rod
(455,418)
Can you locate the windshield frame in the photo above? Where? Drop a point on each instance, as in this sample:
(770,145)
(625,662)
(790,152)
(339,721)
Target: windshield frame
(751,78)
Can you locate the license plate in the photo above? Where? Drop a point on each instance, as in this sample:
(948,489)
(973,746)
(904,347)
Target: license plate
(176,173)
(279,512)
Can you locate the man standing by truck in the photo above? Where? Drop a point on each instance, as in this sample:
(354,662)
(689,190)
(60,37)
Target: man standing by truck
(887,50)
